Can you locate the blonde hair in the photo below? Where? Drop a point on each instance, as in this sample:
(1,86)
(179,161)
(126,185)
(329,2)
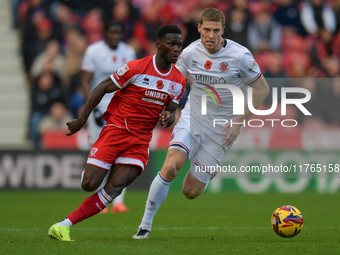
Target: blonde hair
(212,14)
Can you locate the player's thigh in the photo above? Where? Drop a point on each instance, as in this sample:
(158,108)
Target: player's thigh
(93,177)
(178,152)
(102,155)
(174,161)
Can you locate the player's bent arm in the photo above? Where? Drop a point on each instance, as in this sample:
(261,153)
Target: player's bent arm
(168,115)
(86,78)
(106,86)
(260,92)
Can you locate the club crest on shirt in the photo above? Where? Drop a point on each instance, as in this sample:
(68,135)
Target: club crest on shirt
(122,70)
(223,66)
(172,88)
(93,152)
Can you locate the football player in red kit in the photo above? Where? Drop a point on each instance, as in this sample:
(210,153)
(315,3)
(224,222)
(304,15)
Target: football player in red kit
(146,89)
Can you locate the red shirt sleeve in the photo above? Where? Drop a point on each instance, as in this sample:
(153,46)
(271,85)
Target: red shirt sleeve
(125,74)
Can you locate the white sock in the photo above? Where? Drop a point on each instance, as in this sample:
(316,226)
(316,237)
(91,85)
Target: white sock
(157,194)
(65,223)
(120,198)
(104,197)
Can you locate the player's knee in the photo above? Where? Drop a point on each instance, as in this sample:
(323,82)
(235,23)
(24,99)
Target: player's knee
(88,185)
(170,171)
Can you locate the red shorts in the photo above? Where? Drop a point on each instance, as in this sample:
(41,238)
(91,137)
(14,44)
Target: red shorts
(118,146)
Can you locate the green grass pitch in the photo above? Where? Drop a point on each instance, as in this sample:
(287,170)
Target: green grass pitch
(226,223)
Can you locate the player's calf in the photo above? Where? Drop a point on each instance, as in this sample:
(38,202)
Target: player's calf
(192,187)
(113,191)
(120,177)
(191,193)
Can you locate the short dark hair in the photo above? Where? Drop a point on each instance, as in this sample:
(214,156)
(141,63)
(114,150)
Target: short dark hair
(114,23)
(167,29)
(212,14)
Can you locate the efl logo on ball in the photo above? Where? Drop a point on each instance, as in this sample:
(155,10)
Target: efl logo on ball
(287,221)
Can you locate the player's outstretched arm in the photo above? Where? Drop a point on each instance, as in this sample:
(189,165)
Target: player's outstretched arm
(168,114)
(260,92)
(106,86)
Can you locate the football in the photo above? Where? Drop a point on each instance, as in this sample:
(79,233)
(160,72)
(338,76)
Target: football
(287,221)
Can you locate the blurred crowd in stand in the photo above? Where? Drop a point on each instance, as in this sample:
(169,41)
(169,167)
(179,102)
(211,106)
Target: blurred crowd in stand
(289,39)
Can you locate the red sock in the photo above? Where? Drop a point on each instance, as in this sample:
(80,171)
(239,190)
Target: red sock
(89,207)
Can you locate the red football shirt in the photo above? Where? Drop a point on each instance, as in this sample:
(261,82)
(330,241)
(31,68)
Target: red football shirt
(144,92)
